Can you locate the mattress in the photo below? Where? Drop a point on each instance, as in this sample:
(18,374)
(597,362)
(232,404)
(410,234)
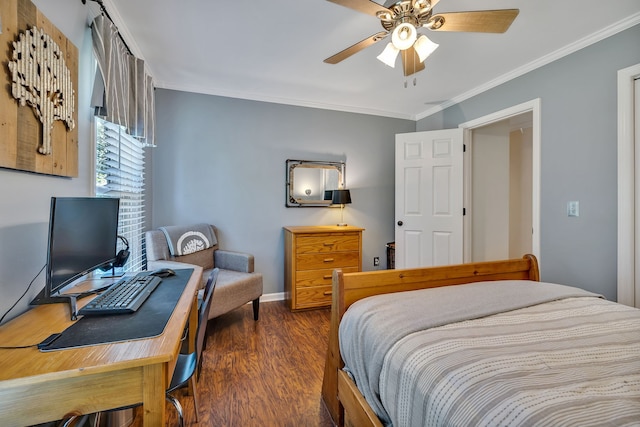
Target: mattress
(495,354)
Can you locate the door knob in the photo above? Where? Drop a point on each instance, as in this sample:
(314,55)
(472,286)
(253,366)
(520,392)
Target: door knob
(400,223)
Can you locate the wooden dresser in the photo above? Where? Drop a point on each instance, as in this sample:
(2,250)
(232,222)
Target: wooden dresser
(311,254)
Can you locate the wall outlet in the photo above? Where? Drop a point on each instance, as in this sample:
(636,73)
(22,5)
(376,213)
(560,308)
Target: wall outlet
(376,261)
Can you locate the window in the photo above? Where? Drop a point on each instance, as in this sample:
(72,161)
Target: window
(120,173)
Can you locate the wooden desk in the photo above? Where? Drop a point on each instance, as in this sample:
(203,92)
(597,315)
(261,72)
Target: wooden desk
(37,387)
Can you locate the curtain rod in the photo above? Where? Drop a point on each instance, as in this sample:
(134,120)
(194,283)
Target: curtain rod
(103,9)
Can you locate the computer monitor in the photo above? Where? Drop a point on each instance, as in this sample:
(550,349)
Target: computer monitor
(83,234)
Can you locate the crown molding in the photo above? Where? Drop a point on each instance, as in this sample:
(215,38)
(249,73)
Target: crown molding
(547,59)
(280,100)
(540,62)
(126,34)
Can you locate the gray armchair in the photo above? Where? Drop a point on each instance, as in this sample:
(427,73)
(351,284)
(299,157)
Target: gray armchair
(237,283)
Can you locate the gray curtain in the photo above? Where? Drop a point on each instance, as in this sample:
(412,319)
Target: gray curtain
(123,92)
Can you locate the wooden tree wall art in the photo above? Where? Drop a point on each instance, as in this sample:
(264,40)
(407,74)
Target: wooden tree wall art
(38,113)
(42,80)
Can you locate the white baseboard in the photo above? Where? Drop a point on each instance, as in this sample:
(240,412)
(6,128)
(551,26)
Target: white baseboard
(278,296)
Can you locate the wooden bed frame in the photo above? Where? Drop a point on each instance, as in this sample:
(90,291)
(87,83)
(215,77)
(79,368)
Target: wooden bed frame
(344,401)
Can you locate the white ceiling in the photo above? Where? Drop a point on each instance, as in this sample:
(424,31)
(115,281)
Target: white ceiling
(274,50)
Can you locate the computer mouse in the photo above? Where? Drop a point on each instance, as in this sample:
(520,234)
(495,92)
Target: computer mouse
(163,272)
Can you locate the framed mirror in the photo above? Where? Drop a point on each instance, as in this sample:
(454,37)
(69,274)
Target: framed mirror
(310,183)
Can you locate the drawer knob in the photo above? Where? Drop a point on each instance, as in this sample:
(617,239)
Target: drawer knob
(329,260)
(328,292)
(327,276)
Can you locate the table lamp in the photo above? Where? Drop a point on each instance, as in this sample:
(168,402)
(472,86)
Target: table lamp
(341,197)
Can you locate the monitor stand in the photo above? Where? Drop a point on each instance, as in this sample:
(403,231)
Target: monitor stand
(113,274)
(70,299)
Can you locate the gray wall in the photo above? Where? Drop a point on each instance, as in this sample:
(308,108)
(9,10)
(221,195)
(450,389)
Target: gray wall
(25,197)
(222,160)
(578,155)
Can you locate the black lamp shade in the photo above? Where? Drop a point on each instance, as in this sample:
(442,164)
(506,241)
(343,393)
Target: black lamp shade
(341,197)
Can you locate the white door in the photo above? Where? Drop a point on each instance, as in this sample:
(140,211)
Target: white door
(429,198)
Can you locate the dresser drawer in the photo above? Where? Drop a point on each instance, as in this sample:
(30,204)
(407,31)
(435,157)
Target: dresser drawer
(318,277)
(327,260)
(316,296)
(328,243)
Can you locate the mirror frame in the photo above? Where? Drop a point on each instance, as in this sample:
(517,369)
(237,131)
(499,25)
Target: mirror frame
(292,165)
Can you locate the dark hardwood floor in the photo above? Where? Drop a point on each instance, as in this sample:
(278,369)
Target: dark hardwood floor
(264,373)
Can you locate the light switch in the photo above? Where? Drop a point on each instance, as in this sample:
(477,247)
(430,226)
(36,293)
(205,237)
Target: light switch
(573,208)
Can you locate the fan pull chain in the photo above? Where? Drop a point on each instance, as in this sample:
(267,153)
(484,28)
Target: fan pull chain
(415,82)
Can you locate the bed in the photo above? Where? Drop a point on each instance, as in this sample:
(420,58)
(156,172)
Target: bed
(478,344)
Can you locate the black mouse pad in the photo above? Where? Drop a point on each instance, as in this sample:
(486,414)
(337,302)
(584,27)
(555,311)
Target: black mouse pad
(149,321)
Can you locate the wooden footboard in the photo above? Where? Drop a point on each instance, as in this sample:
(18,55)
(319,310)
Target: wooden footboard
(338,391)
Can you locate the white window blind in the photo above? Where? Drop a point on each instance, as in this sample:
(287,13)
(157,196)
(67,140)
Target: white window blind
(120,173)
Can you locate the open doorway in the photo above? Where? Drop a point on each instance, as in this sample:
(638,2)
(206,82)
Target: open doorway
(500,157)
(502,184)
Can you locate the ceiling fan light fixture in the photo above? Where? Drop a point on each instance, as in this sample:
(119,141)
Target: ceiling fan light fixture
(389,55)
(424,47)
(403,36)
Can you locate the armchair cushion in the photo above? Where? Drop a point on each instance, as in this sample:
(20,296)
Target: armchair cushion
(234,289)
(204,259)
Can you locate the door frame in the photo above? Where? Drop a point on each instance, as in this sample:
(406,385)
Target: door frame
(533,107)
(628,162)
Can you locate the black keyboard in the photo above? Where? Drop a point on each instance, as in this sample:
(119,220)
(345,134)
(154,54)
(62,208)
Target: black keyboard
(124,296)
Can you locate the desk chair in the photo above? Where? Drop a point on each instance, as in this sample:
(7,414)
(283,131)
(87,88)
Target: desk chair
(187,364)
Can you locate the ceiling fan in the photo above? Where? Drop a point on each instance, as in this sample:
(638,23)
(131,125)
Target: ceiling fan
(402,19)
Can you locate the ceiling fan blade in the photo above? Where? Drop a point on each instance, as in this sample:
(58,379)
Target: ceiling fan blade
(410,61)
(365,6)
(342,55)
(482,21)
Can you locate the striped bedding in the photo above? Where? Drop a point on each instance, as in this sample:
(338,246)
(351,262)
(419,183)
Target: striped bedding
(495,354)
